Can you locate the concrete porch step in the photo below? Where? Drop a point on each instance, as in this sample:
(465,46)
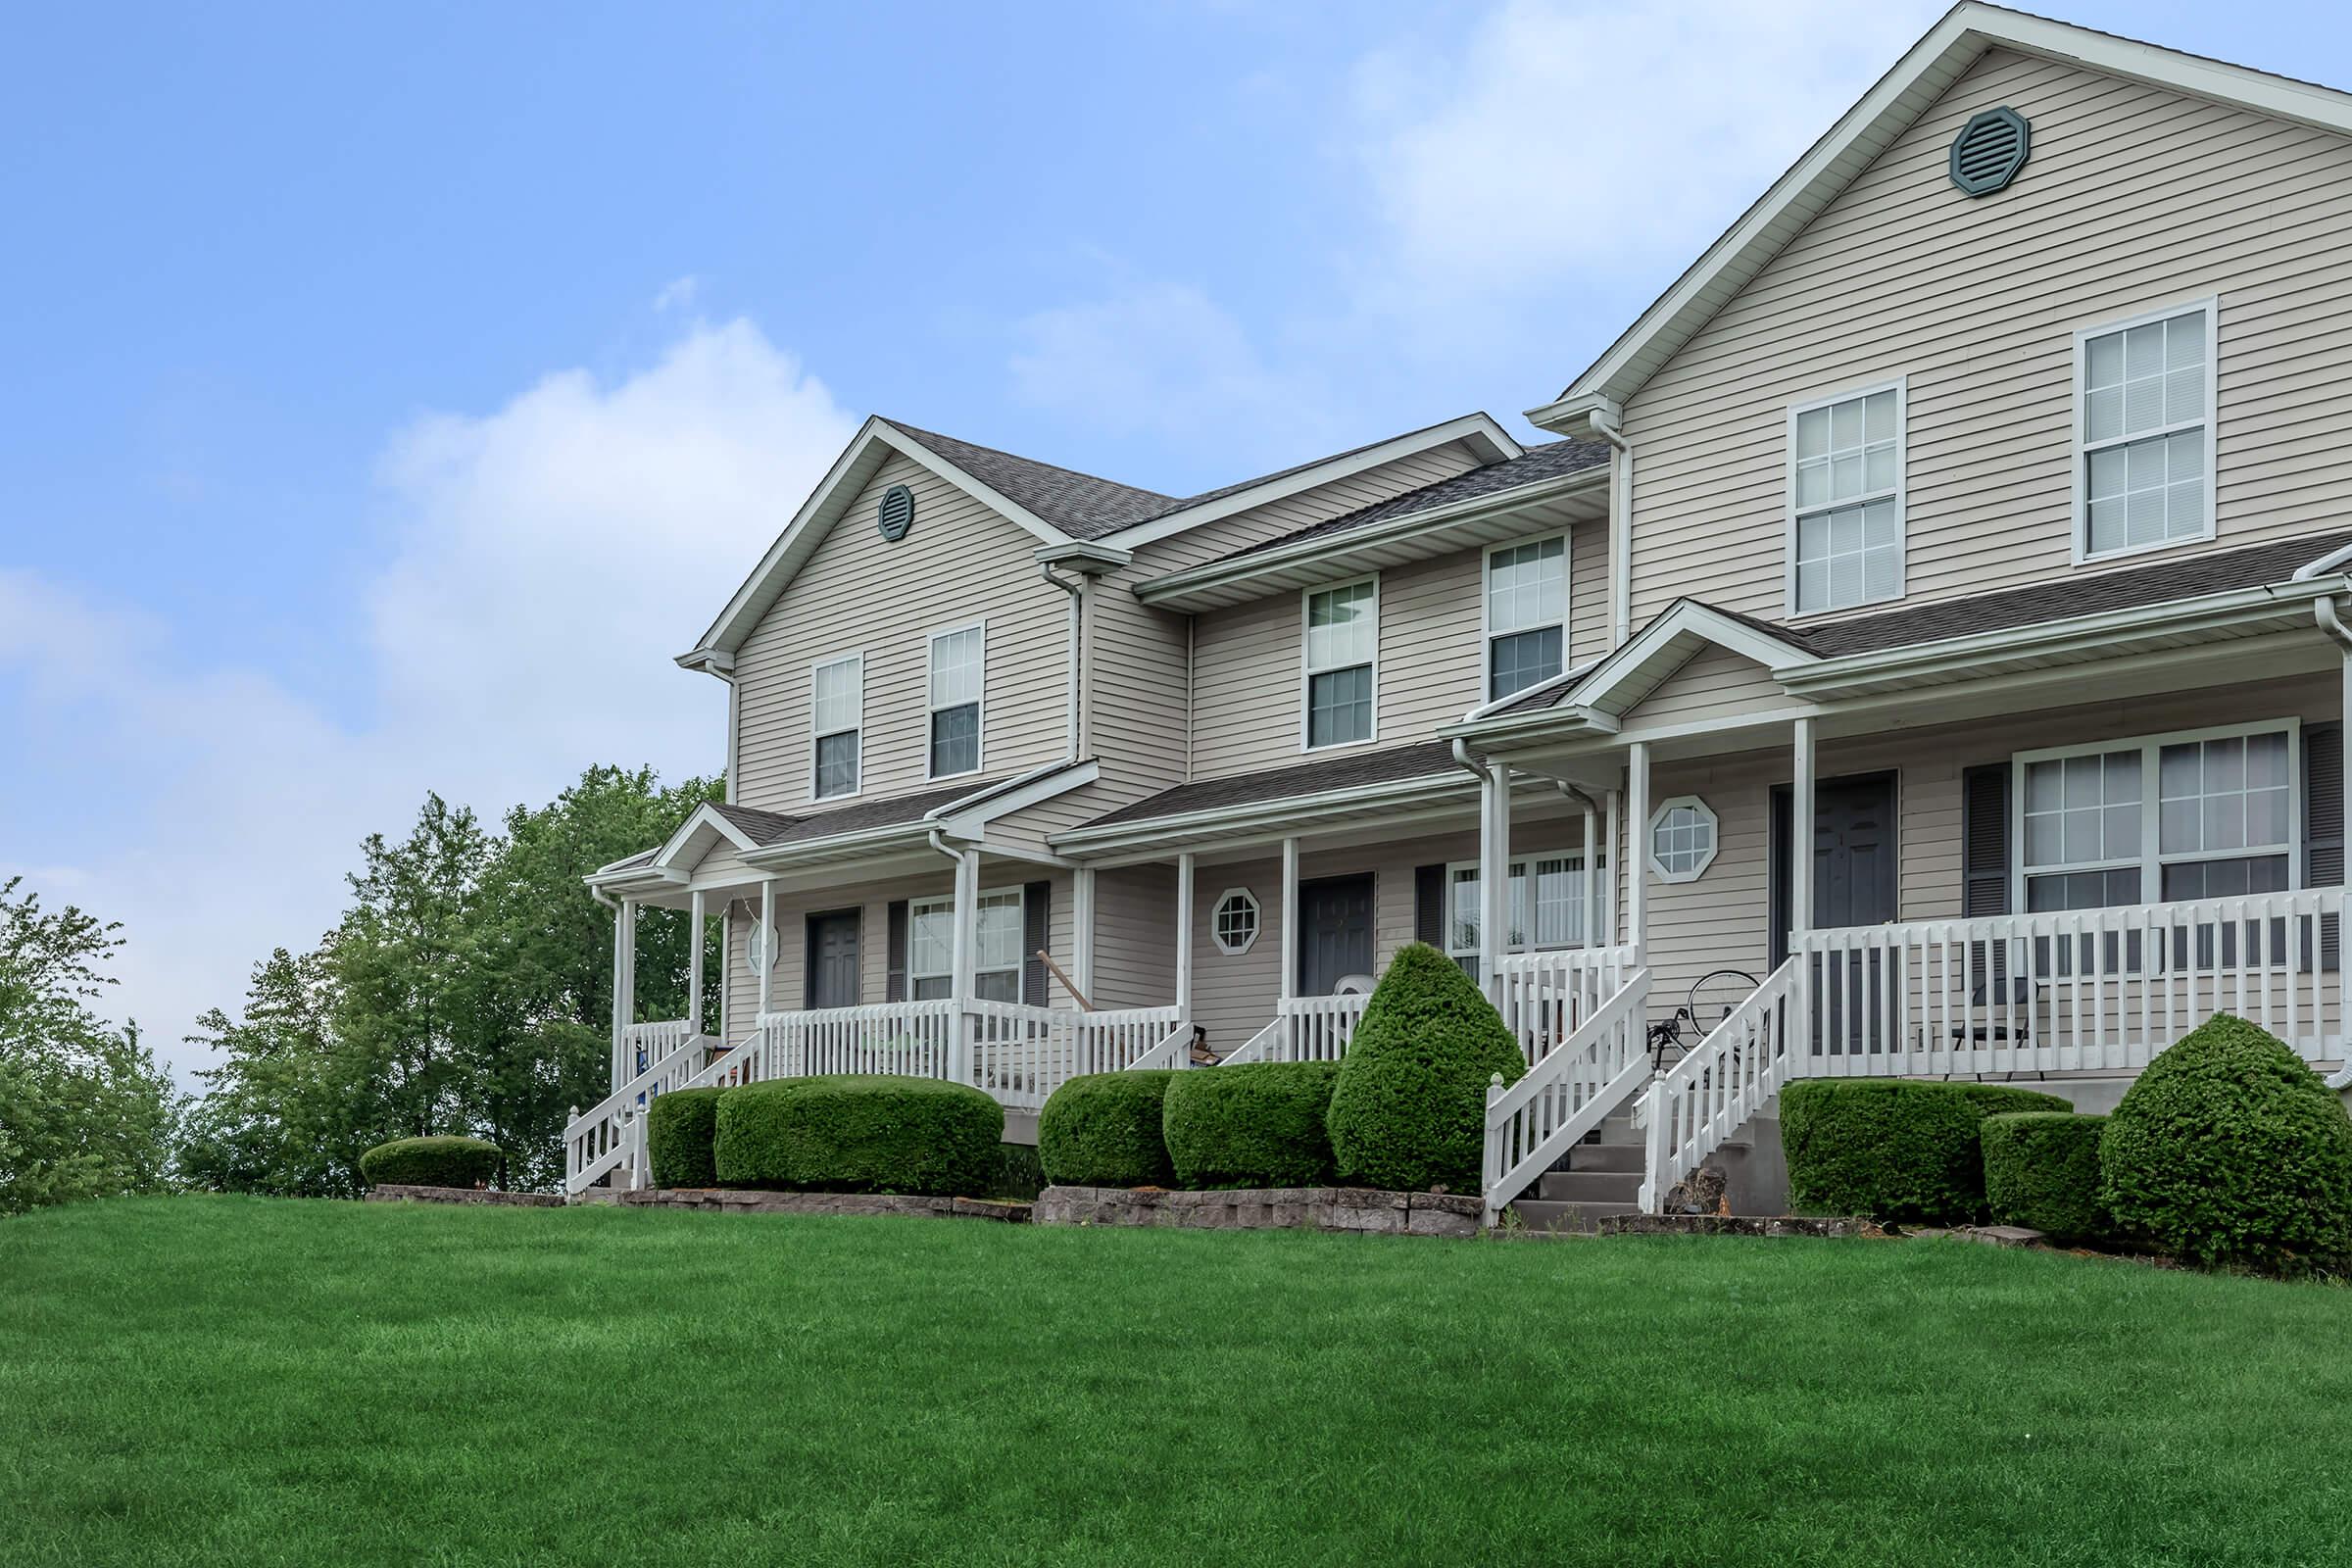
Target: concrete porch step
(1605,1157)
(1589,1186)
(1541,1214)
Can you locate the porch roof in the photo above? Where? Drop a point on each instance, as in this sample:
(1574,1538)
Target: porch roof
(1304,795)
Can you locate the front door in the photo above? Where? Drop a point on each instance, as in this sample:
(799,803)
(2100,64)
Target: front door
(833,958)
(1853,885)
(1335,932)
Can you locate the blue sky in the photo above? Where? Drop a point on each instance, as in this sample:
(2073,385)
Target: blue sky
(390,391)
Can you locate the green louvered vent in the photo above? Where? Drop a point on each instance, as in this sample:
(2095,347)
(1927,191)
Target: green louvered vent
(897,512)
(1990,151)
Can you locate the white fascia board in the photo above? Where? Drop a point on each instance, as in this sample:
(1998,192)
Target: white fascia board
(703,816)
(2077,634)
(1478,429)
(1890,107)
(1171,589)
(1566,678)
(968,819)
(818,513)
(1082,555)
(1684,618)
(1260,815)
(840,845)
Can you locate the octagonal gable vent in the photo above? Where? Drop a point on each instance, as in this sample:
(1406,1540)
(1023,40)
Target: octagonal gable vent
(896,515)
(1990,150)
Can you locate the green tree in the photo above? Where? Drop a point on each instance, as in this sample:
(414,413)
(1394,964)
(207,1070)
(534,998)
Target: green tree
(84,1110)
(277,1113)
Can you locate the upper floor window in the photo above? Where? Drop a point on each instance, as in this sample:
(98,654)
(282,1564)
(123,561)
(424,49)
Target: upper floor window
(836,712)
(1845,501)
(996,947)
(2143,403)
(1527,615)
(959,671)
(2203,814)
(1342,654)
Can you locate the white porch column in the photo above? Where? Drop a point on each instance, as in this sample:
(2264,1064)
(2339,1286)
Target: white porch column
(1592,875)
(1290,918)
(1800,831)
(693,965)
(726,959)
(1636,887)
(1616,854)
(1081,930)
(620,990)
(1494,874)
(767,947)
(1183,936)
(968,936)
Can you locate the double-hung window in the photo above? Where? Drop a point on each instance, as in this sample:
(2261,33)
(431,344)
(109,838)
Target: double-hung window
(958,672)
(1527,615)
(2208,813)
(995,948)
(836,715)
(1845,501)
(1342,652)
(2144,393)
(1554,919)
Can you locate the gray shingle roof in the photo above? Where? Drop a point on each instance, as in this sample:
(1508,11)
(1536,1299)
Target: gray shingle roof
(1281,783)
(1549,461)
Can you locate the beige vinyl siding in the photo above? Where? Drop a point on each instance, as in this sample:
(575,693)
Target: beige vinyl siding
(1211,540)
(1723,918)
(1135,949)
(1716,684)
(860,593)
(1248,679)
(872,900)
(2136,198)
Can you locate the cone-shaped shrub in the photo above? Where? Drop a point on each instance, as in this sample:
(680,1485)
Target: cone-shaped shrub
(681,1135)
(1410,1111)
(1103,1129)
(2229,1149)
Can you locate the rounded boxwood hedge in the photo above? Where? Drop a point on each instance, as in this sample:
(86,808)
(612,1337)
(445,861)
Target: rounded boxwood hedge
(860,1133)
(1103,1129)
(430,1162)
(1893,1149)
(1258,1125)
(2229,1149)
(2041,1170)
(681,1137)
(1409,1111)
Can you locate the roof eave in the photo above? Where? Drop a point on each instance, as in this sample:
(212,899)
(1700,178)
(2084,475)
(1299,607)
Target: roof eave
(1259,817)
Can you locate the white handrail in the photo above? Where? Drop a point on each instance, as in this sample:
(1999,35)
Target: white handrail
(1545,997)
(1174,1051)
(598,1140)
(1565,1094)
(1256,1046)
(1699,1103)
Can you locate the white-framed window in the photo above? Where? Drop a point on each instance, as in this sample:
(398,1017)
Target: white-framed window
(835,716)
(1234,921)
(2199,813)
(1527,615)
(959,676)
(1342,661)
(2144,431)
(996,947)
(1683,836)
(1554,918)
(1846,500)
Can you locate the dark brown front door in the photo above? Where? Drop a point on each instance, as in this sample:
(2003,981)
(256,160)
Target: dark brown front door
(1335,932)
(833,958)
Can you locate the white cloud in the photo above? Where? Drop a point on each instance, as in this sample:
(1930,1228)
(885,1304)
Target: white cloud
(546,559)
(1561,139)
(678,293)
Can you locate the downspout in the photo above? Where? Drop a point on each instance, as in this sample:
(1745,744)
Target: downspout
(1075,743)
(1603,422)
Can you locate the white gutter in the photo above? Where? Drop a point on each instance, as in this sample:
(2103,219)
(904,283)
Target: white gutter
(2325,564)
(1566,678)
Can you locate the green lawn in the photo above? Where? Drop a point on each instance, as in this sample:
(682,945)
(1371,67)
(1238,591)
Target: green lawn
(249,1381)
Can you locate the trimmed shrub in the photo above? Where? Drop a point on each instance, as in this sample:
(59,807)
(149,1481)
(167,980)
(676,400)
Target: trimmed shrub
(1019,1173)
(858,1133)
(1259,1124)
(681,1137)
(430,1162)
(1409,1111)
(2229,1149)
(2041,1170)
(1895,1151)
(1103,1129)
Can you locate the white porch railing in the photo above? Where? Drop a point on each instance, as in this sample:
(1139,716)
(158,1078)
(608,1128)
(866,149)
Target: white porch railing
(1021,1054)
(1566,1093)
(1699,1103)
(2091,988)
(1546,997)
(907,1039)
(605,1137)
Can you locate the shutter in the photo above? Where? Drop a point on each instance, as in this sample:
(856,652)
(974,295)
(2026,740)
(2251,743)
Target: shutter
(1429,905)
(1037,907)
(894,986)
(2324,825)
(1985,857)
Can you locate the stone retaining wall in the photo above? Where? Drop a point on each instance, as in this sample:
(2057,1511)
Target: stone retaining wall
(1733,1225)
(464,1194)
(734,1200)
(1355,1209)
